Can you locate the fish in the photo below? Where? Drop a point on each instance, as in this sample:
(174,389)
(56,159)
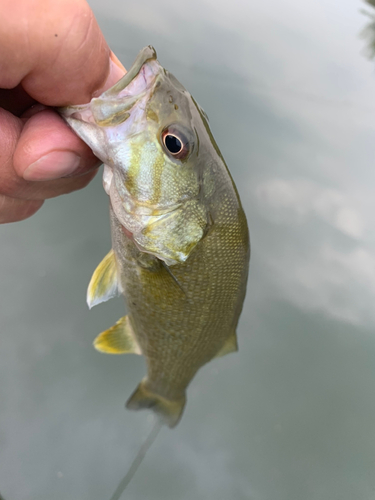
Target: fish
(180,241)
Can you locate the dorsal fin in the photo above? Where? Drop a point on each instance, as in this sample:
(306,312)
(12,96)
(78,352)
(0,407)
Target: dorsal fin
(104,283)
(119,339)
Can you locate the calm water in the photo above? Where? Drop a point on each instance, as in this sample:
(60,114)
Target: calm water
(291,101)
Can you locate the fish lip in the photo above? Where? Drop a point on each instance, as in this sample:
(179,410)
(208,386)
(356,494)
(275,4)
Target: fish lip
(145,55)
(120,90)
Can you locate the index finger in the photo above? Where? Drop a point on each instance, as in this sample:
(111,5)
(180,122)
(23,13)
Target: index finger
(55,48)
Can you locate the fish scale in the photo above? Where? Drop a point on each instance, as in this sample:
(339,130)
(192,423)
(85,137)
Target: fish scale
(203,328)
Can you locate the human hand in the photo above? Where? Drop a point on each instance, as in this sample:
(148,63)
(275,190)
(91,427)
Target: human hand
(52,54)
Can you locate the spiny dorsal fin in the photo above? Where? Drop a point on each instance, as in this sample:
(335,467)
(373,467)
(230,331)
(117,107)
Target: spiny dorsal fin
(229,346)
(104,283)
(119,339)
(168,411)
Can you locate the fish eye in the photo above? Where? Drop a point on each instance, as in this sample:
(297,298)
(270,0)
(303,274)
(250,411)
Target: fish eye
(176,142)
(173,144)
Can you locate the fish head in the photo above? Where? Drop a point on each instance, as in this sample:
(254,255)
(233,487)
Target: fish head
(146,129)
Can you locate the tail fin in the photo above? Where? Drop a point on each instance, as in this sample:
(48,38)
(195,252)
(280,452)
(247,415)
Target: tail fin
(169,411)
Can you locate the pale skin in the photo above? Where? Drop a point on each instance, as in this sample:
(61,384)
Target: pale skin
(52,53)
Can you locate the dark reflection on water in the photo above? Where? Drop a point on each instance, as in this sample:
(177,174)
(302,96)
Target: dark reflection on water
(369,31)
(290,99)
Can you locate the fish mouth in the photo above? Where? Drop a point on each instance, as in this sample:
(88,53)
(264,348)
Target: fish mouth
(115,104)
(145,55)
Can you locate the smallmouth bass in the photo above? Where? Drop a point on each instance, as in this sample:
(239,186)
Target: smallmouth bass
(180,242)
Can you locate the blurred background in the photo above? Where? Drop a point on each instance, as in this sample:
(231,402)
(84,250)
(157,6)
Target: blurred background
(289,91)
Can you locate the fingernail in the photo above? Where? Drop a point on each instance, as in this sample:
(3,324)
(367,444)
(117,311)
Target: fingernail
(116,71)
(52,166)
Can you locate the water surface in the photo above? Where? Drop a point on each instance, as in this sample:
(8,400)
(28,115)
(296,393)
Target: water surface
(291,102)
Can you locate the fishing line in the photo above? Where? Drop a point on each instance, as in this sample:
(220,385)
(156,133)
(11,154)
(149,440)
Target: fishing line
(137,460)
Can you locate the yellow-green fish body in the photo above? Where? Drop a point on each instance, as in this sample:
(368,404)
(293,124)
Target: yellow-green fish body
(179,234)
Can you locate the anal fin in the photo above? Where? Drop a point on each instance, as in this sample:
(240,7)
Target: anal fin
(229,346)
(119,339)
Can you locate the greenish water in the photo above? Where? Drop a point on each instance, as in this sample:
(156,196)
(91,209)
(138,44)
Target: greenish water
(291,102)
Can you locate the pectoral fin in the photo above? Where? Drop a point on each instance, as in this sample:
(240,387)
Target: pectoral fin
(104,283)
(119,339)
(229,346)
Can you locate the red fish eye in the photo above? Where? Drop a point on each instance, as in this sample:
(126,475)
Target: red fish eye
(176,143)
